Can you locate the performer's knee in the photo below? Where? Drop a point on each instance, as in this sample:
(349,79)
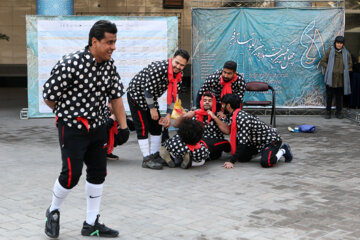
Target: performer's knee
(96,176)
(69,179)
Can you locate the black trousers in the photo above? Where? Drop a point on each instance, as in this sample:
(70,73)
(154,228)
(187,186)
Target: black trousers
(142,120)
(268,159)
(79,147)
(217,146)
(338,93)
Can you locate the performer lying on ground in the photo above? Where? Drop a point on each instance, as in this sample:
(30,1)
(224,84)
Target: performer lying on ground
(186,148)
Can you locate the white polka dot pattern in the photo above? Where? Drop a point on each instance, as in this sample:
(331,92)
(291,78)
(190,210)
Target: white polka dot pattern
(153,79)
(78,94)
(178,149)
(212,84)
(252,131)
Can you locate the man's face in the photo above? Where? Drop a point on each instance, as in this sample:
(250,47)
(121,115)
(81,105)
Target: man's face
(224,107)
(208,101)
(102,50)
(178,64)
(339,45)
(228,74)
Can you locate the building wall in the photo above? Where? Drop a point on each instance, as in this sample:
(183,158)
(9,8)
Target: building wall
(12,19)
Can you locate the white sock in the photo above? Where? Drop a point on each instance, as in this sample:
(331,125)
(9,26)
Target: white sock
(144,146)
(93,199)
(198,164)
(155,142)
(59,195)
(280,153)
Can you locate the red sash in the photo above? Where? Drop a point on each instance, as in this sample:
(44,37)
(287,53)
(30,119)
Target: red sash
(233,132)
(113,131)
(83,121)
(193,147)
(172,87)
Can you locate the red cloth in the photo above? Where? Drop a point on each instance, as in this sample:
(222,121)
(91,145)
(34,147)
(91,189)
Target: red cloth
(83,121)
(172,87)
(113,131)
(227,85)
(193,147)
(233,132)
(201,112)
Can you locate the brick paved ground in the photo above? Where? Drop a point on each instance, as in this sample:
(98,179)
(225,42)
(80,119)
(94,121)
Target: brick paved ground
(317,196)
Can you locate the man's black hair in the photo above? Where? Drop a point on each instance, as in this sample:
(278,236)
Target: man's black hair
(190,131)
(182,53)
(208,94)
(232,99)
(99,29)
(230,65)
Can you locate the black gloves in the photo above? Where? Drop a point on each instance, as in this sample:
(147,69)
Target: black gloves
(122,136)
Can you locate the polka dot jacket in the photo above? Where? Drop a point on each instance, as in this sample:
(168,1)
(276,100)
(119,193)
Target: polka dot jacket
(178,148)
(252,131)
(212,84)
(154,80)
(211,129)
(79,86)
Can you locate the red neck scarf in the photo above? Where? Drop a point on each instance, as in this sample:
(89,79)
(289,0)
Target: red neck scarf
(227,85)
(113,131)
(172,87)
(193,147)
(201,112)
(233,132)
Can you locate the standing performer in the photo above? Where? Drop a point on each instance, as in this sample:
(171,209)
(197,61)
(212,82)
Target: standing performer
(143,91)
(76,92)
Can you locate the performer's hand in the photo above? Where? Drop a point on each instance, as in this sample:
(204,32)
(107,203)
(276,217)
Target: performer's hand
(122,136)
(212,115)
(154,113)
(189,114)
(167,120)
(228,165)
(112,116)
(221,115)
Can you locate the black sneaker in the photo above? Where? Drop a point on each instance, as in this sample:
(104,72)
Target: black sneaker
(98,230)
(186,163)
(159,159)
(112,157)
(52,224)
(288,154)
(148,162)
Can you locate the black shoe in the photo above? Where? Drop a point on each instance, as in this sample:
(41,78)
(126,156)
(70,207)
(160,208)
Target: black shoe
(186,163)
(98,230)
(328,115)
(112,157)
(52,224)
(165,155)
(159,159)
(148,162)
(288,154)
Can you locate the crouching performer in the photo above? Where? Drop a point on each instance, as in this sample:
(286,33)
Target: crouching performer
(250,136)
